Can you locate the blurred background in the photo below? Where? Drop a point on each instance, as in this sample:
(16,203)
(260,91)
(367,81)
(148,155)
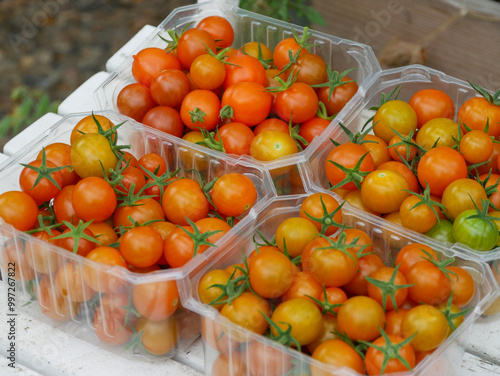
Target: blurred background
(50,47)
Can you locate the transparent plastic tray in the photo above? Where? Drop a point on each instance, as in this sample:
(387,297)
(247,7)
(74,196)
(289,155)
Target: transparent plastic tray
(410,79)
(387,241)
(340,54)
(36,260)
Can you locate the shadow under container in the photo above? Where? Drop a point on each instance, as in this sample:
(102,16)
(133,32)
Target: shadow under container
(340,54)
(71,292)
(226,342)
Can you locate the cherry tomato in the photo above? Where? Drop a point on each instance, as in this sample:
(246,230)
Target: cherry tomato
(101,281)
(91,155)
(383,191)
(234,194)
(337,353)
(42,190)
(156,301)
(378,362)
(244,68)
(88,125)
(250,102)
(394,115)
(476,112)
(236,138)
(141,246)
(200,108)
(298,103)
(429,324)
(193,43)
(312,206)
(438,132)
(18,209)
(271,145)
(135,100)
(337,100)
(219,28)
(165,119)
(183,199)
(430,104)
(150,61)
(158,337)
(361,318)
(93,198)
(294,234)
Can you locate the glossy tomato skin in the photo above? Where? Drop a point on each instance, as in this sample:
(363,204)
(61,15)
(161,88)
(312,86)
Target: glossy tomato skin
(281,53)
(206,103)
(310,69)
(429,324)
(360,318)
(91,155)
(374,359)
(303,316)
(19,210)
(439,167)
(169,87)
(475,112)
(158,337)
(294,234)
(476,233)
(348,156)
(141,246)
(184,198)
(219,28)
(339,354)
(193,43)
(430,104)
(250,102)
(335,102)
(312,129)
(298,103)
(383,191)
(312,206)
(207,72)
(236,138)
(430,284)
(93,198)
(442,231)
(165,119)
(145,210)
(271,145)
(156,301)
(461,195)
(150,61)
(88,125)
(417,218)
(246,68)
(437,132)
(44,190)
(60,154)
(234,194)
(397,115)
(134,100)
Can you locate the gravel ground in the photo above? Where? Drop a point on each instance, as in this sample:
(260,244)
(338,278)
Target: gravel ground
(55,45)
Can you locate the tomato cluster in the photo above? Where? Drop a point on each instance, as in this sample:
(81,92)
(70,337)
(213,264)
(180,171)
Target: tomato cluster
(248,100)
(325,291)
(96,200)
(416,166)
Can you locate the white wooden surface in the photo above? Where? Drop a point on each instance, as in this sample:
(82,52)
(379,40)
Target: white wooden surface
(48,351)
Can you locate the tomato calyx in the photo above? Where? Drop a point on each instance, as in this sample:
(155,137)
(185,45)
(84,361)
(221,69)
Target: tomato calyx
(229,220)
(266,242)
(451,316)
(283,337)
(391,350)
(198,238)
(355,138)
(77,233)
(354,175)
(136,342)
(234,287)
(123,229)
(388,288)
(440,265)
(131,198)
(283,85)
(326,306)
(294,260)
(266,63)
(483,213)
(425,199)
(359,346)
(226,112)
(205,187)
(322,112)
(334,80)
(161,181)
(111,135)
(341,245)
(294,133)
(488,189)
(197,115)
(493,99)
(209,140)
(327,219)
(43,171)
(408,142)
(172,33)
(384,98)
(43,227)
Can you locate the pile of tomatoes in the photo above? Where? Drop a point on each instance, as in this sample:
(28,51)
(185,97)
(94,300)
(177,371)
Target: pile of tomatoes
(326,293)
(94,198)
(248,100)
(418,167)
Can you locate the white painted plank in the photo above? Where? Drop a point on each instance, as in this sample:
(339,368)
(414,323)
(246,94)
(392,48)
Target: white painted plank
(82,99)
(474,366)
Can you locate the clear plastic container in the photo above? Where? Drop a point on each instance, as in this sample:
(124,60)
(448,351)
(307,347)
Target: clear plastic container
(53,283)
(340,54)
(228,343)
(410,79)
